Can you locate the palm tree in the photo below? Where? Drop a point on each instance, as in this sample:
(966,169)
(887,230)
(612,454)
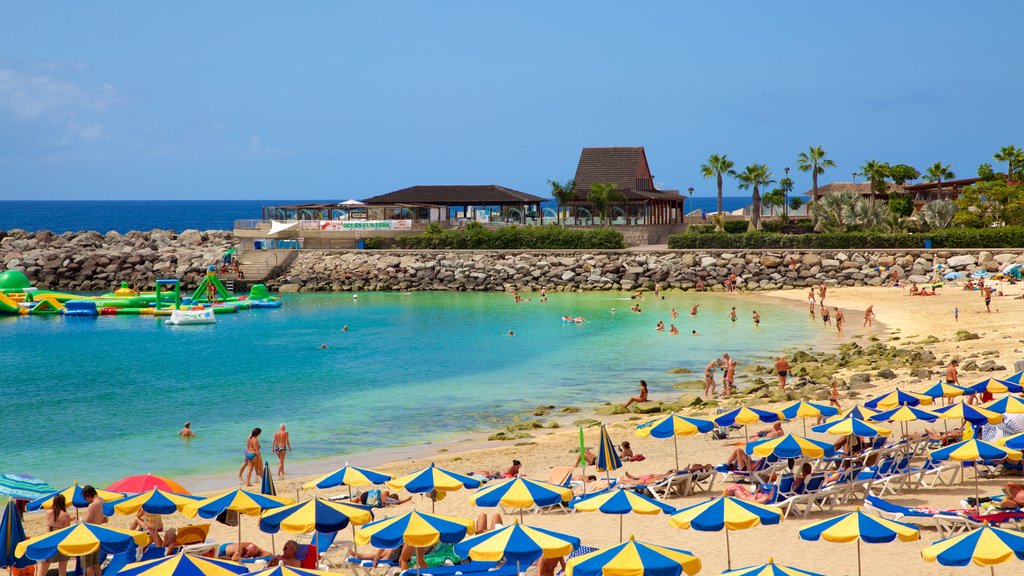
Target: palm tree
(563,193)
(938,214)
(601,195)
(753,177)
(717,166)
(1012,156)
(937,173)
(833,210)
(876,172)
(814,161)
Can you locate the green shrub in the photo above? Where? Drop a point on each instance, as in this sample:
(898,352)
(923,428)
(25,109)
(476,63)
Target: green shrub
(373,243)
(515,237)
(1008,237)
(736,226)
(701,228)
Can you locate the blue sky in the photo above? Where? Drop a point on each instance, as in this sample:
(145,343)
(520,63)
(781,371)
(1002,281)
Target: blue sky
(220,100)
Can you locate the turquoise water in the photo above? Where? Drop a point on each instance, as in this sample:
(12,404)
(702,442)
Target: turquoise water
(95,399)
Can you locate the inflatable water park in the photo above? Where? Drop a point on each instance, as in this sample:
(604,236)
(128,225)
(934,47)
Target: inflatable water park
(211,298)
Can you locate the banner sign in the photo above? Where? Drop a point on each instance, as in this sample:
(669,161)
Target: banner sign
(349,225)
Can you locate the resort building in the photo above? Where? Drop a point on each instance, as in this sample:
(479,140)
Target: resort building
(487,203)
(640,202)
(921,193)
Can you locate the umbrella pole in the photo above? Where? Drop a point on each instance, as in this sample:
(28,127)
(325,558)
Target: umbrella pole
(620,528)
(858,557)
(805,426)
(239,529)
(728,552)
(273,545)
(521,516)
(675,444)
(977,503)
(354,545)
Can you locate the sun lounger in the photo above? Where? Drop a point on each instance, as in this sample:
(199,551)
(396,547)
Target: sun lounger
(366,567)
(481,568)
(946,523)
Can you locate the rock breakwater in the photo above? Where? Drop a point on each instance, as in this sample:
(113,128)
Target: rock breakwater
(623,270)
(94,261)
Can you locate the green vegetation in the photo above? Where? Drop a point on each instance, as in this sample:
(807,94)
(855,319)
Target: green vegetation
(1007,237)
(476,237)
(814,161)
(601,195)
(753,177)
(718,165)
(991,202)
(563,193)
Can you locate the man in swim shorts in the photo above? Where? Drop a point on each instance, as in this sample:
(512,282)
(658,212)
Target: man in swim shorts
(782,366)
(281,445)
(93,515)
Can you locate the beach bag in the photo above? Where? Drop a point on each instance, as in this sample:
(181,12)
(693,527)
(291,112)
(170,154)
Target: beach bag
(373,499)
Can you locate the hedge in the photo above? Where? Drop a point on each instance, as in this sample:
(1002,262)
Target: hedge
(1008,237)
(514,238)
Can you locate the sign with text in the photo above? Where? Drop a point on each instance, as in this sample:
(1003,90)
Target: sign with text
(354,226)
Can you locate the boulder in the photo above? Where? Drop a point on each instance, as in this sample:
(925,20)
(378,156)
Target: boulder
(962,335)
(885,374)
(860,378)
(961,261)
(610,410)
(647,407)
(811,260)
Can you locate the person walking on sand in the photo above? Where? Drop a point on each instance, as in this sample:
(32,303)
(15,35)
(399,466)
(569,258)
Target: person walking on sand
(709,379)
(833,397)
(93,515)
(868,314)
(839,319)
(821,293)
(986,293)
(252,461)
(729,377)
(638,399)
(782,367)
(281,445)
(953,377)
(956,314)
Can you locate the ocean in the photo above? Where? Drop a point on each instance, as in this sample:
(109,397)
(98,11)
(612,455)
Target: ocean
(96,399)
(124,216)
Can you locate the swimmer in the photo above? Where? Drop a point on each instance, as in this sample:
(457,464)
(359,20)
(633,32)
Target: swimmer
(355,296)
(693,333)
(344,328)
(613,310)
(757,318)
(511,333)
(839,319)
(732,314)
(673,330)
(868,314)
(693,311)
(323,346)
(675,313)
(187,432)
(660,327)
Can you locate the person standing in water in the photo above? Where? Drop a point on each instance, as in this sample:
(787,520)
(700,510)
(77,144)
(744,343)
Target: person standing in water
(839,319)
(868,314)
(252,460)
(709,379)
(282,445)
(732,314)
(187,432)
(757,319)
(641,398)
(810,301)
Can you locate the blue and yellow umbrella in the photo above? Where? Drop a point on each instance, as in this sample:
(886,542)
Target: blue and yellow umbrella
(898,398)
(858,526)
(1006,405)
(904,414)
(673,426)
(12,533)
(317,515)
(943,390)
(607,457)
(769,569)
(73,497)
(1014,378)
(267,487)
(415,529)
(973,450)
(726,513)
(994,386)
(432,479)
(744,416)
(852,427)
(155,501)
(517,544)
(1015,441)
(856,411)
(289,571)
(621,502)
(238,500)
(975,415)
(348,476)
(521,493)
(79,540)
(805,410)
(632,558)
(790,446)
(184,565)
(986,546)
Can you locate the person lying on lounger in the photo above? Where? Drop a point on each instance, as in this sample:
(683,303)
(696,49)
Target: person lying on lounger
(1014,492)
(235,551)
(739,460)
(740,492)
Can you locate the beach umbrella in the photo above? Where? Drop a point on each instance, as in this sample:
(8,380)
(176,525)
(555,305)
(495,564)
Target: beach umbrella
(317,515)
(517,544)
(238,500)
(154,501)
(971,451)
(521,493)
(986,546)
(267,487)
(12,533)
(607,457)
(73,497)
(976,415)
(725,513)
(805,410)
(1014,378)
(790,446)
(1006,405)
(432,479)
(770,569)
(852,427)
(145,483)
(632,558)
(897,398)
(621,502)
(280,570)
(24,487)
(858,526)
(994,386)
(416,529)
(348,476)
(673,426)
(1015,441)
(856,411)
(943,390)
(81,539)
(184,565)
(903,414)
(745,416)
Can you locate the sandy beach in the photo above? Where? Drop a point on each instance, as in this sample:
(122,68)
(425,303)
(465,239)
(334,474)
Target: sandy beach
(906,319)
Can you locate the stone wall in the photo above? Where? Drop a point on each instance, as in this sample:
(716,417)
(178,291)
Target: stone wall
(94,261)
(621,270)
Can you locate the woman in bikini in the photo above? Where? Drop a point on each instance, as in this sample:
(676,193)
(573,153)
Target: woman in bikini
(57,519)
(252,457)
